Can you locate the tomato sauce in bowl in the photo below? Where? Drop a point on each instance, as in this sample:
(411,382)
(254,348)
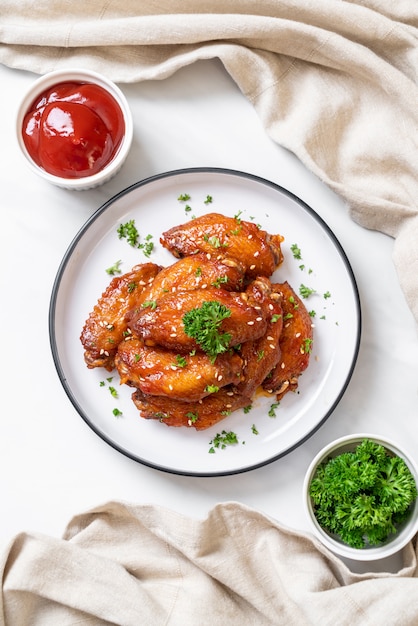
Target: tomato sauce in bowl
(75,128)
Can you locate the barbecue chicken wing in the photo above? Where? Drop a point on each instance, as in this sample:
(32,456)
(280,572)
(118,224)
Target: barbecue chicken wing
(220,236)
(295,343)
(106,325)
(160,372)
(201,415)
(163,324)
(262,355)
(195,272)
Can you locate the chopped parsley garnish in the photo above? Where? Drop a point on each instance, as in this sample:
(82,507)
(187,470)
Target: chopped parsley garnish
(296,251)
(113,392)
(272,410)
(306,347)
(215,241)
(327,295)
(221,280)
(223,439)
(114,269)
(247,408)
(181,361)
(129,232)
(183,197)
(209,199)
(192,417)
(305,291)
(203,325)
(117,413)
(149,304)
(211,388)
(147,247)
(254,430)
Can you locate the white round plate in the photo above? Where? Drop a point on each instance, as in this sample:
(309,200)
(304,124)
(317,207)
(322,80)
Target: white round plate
(264,434)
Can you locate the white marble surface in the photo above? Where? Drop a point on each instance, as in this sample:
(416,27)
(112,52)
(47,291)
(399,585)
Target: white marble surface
(52,465)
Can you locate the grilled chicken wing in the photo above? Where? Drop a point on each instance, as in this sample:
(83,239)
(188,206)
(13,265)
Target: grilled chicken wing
(163,325)
(201,415)
(262,355)
(106,324)
(295,343)
(195,272)
(160,372)
(220,236)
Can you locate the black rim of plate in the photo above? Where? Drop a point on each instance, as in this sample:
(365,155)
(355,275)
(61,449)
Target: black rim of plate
(90,222)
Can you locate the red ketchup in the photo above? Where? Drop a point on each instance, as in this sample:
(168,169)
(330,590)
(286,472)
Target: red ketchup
(73,129)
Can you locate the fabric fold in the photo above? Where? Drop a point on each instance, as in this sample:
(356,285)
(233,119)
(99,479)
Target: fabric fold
(141,564)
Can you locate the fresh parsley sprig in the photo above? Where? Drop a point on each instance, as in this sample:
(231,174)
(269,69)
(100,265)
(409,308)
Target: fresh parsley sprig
(203,324)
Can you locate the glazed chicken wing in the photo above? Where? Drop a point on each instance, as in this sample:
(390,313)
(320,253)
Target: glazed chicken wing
(295,343)
(195,272)
(262,355)
(200,415)
(220,236)
(163,324)
(106,324)
(160,372)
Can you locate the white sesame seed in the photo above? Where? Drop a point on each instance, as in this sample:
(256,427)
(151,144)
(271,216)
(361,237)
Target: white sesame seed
(270,338)
(101,351)
(199,376)
(272,346)
(282,366)
(250,323)
(174,368)
(106,353)
(252,267)
(173,335)
(259,319)
(256,253)
(170,387)
(250,236)
(297,335)
(220,377)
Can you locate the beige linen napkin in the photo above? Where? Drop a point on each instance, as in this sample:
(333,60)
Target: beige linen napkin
(149,566)
(333,81)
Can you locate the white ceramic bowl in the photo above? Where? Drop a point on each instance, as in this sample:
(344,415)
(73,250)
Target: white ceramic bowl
(77,75)
(395,543)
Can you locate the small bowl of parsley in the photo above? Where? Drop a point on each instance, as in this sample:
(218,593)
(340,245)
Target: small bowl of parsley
(360,495)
